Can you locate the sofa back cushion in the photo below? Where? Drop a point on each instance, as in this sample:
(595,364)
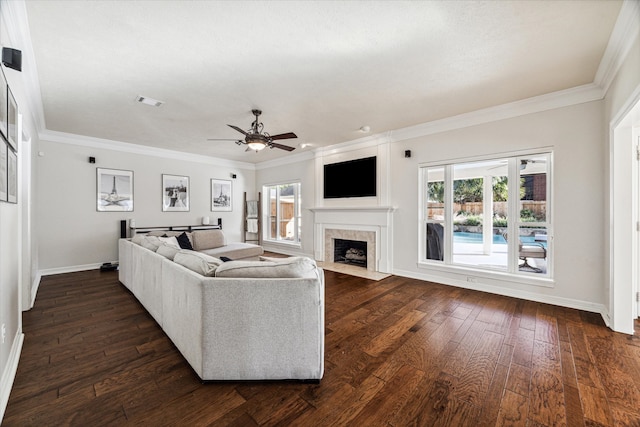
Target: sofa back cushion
(195,261)
(292,267)
(208,239)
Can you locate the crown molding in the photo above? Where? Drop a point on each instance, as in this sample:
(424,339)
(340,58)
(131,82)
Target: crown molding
(356,144)
(536,104)
(106,144)
(622,38)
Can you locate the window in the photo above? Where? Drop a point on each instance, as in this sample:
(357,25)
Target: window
(284,212)
(470,213)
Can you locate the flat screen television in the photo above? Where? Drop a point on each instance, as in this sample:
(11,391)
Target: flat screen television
(354,178)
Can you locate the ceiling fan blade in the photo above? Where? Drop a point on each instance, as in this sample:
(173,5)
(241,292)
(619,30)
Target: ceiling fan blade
(238,129)
(284,136)
(282,147)
(221,139)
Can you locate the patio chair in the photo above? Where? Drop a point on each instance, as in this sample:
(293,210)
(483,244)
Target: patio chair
(529,250)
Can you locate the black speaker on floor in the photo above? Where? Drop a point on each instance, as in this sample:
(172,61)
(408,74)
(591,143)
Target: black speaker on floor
(12,58)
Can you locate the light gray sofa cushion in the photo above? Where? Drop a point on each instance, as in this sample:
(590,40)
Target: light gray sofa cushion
(208,239)
(168,251)
(236,250)
(151,242)
(197,262)
(293,267)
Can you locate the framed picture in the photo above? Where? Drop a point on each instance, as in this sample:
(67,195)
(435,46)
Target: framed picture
(175,193)
(221,195)
(3,170)
(12,121)
(3,105)
(114,190)
(12,177)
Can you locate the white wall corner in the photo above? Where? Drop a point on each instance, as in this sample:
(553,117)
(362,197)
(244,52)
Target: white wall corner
(34,289)
(9,373)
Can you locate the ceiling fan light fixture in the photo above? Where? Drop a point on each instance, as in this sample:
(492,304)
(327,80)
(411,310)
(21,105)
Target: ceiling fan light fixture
(256,145)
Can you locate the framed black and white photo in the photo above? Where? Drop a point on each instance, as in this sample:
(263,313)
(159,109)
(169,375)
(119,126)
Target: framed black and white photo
(12,177)
(12,121)
(114,190)
(175,193)
(221,195)
(3,170)
(3,105)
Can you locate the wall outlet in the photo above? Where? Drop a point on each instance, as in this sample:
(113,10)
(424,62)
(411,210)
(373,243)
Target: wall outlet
(3,333)
(471,279)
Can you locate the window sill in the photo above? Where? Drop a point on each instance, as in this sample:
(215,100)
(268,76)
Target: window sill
(282,243)
(473,273)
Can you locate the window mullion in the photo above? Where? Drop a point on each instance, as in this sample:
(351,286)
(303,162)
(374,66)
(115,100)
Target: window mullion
(513,215)
(448,214)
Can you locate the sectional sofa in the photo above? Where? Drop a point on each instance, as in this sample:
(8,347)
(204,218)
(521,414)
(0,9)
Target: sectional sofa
(236,320)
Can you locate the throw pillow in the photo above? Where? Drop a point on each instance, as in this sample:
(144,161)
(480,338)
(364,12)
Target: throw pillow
(293,267)
(168,251)
(151,243)
(200,263)
(171,241)
(184,242)
(137,239)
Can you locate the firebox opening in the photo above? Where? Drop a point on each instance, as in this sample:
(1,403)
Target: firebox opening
(350,252)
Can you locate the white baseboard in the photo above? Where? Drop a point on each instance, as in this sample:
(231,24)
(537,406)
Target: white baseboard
(515,293)
(9,373)
(69,269)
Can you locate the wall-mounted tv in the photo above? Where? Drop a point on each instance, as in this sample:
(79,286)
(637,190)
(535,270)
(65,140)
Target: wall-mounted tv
(354,178)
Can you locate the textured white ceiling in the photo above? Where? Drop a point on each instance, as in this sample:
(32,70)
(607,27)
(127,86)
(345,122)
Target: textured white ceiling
(321,69)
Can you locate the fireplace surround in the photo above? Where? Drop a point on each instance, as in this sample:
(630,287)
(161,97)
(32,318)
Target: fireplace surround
(373,225)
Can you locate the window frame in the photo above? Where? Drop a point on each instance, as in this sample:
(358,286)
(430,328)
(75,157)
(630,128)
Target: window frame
(512,273)
(297,214)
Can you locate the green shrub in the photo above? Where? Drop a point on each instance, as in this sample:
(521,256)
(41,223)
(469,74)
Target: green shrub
(472,220)
(499,222)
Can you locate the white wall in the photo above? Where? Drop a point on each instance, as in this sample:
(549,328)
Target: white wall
(74,235)
(15,271)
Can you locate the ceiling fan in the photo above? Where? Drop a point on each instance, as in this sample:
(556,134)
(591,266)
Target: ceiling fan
(256,139)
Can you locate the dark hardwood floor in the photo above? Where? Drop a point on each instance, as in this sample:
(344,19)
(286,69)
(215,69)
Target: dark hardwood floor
(399,352)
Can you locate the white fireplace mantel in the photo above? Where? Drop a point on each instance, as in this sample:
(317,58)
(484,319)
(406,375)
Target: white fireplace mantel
(377,219)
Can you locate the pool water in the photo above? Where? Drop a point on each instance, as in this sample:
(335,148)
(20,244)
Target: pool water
(465,237)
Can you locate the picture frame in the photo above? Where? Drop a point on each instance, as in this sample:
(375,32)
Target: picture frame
(12,120)
(3,170)
(114,190)
(221,195)
(175,193)
(4,114)
(12,176)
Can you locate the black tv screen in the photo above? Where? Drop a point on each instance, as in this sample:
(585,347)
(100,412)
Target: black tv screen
(355,178)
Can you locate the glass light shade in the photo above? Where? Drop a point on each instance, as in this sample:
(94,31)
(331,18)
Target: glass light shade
(256,145)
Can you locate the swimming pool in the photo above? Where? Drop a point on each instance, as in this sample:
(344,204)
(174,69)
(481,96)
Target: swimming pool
(466,237)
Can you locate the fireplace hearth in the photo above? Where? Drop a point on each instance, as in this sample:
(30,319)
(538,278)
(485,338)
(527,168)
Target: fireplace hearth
(351,252)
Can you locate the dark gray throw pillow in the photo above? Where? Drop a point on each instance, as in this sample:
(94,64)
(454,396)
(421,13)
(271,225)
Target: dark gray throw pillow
(184,242)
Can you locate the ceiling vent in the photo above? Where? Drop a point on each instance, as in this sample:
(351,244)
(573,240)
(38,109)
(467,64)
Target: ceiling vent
(149,101)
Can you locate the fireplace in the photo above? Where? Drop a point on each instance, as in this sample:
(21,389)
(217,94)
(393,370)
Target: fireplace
(352,252)
(372,225)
